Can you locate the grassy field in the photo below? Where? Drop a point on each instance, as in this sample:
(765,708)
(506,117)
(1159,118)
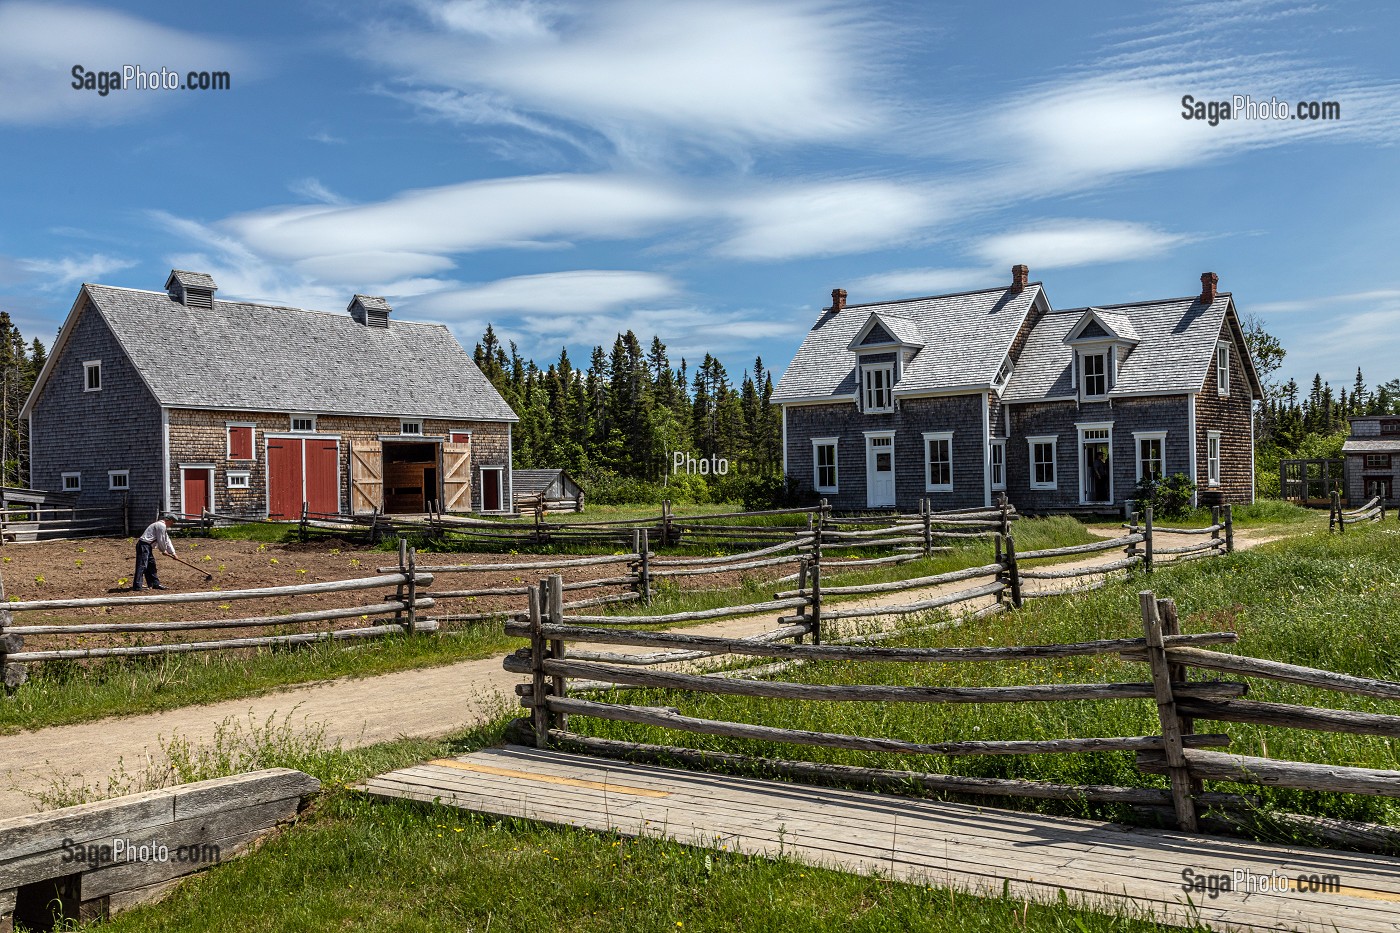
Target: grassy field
(68,691)
(1320,601)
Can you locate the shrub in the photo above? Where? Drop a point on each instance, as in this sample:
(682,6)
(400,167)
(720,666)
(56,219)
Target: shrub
(1169,496)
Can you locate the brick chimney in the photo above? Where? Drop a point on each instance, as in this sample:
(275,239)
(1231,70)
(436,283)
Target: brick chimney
(1209,281)
(1020,277)
(838,300)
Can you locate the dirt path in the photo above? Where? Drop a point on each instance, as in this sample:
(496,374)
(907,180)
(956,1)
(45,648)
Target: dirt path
(421,703)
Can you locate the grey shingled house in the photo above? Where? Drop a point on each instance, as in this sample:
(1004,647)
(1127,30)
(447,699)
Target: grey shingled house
(187,403)
(1372,455)
(961,397)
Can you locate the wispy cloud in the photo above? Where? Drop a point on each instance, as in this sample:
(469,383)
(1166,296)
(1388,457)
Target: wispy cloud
(1057,244)
(572,293)
(313,190)
(41,42)
(63,273)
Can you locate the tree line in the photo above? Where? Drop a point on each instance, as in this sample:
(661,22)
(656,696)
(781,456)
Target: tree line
(20,362)
(618,423)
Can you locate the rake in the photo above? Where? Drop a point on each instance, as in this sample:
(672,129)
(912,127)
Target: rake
(208,577)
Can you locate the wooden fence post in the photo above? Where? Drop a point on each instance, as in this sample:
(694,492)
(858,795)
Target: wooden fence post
(11,675)
(821,526)
(814,574)
(1214,521)
(412,591)
(1013,573)
(646,565)
(666,522)
(1229,529)
(539,713)
(1180,774)
(1001,574)
(301,526)
(1005,516)
(1147,539)
(554,609)
(927,507)
(403,568)
(803,572)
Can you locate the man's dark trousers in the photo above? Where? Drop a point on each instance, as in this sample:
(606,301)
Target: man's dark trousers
(145,566)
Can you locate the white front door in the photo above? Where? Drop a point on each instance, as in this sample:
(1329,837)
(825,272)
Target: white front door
(879,471)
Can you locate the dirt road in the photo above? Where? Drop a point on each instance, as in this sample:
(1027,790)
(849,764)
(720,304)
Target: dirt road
(422,703)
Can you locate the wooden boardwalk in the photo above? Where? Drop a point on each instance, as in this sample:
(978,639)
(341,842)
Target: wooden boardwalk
(979,850)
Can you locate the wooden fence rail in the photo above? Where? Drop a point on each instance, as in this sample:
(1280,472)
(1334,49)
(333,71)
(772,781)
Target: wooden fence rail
(1338,518)
(1177,750)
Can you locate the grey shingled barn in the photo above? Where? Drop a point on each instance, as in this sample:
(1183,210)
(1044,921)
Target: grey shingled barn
(961,397)
(188,403)
(1372,455)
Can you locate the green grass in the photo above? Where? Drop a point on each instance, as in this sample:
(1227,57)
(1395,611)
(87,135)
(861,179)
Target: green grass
(1260,514)
(1320,601)
(67,692)
(357,863)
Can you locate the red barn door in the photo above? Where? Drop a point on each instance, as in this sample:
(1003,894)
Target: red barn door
(196,486)
(284,477)
(322,476)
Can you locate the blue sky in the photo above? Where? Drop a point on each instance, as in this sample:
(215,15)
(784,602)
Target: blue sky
(708,171)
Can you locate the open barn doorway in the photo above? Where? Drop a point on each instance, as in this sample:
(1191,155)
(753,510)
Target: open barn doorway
(410,477)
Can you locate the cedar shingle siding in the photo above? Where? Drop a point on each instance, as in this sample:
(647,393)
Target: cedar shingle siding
(117,428)
(1159,373)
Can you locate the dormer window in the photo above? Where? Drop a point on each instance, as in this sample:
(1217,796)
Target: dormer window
(878,381)
(1094,378)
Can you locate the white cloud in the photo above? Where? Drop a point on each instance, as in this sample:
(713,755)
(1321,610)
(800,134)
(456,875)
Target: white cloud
(41,42)
(911,282)
(313,190)
(714,74)
(567,293)
(63,273)
(1323,301)
(1061,243)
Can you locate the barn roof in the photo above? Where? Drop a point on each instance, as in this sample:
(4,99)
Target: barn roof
(963,338)
(238,355)
(1371,445)
(534,482)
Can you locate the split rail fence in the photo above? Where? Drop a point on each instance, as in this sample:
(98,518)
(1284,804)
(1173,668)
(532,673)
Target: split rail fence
(1188,758)
(1338,518)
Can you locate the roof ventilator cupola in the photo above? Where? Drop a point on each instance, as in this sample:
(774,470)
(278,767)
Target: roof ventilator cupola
(370,310)
(191,289)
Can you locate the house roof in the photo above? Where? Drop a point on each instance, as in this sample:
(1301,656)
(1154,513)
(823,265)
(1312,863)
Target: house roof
(1176,339)
(964,339)
(1114,325)
(534,482)
(192,279)
(238,355)
(1371,446)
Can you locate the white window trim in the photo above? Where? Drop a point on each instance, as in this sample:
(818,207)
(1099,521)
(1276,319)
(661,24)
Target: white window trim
(88,367)
(252,440)
(292,420)
(1083,427)
(1213,463)
(1222,373)
(1054,441)
(1107,354)
(938,436)
(865,370)
(999,444)
(63,482)
(113,474)
(835,443)
(245,475)
(404,425)
(1138,438)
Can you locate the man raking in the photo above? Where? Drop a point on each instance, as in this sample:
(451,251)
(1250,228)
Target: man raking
(156,536)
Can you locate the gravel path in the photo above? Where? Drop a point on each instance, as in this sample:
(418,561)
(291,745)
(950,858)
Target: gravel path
(421,703)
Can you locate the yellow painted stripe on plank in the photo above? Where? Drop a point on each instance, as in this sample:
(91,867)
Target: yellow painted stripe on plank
(549,778)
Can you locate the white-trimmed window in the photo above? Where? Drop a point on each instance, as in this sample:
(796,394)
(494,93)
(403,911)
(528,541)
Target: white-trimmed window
(1151,447)
(1222,367)
(1043,450)
(1094,381)
(72,482)
(303,424)
(824,477)
(938,461)
(238,479)
(92,376)
(119,480)
(1213,458)
(410,427)
(878,379)
(998,465)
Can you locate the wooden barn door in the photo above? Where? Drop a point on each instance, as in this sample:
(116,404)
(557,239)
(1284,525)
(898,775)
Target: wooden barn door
(457,477)
(284,485)
(366,476)
(197,485)
(322,474)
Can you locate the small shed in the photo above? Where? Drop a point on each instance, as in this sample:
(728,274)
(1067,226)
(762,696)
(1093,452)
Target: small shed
(554,490)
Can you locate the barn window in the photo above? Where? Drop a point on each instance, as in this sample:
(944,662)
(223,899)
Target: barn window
(238,479)
(72,482)
(1213,458)
(304,424)
(824,464)
(938,461)
(1043,461)
(119,479)
(92,376)
(410,427)
(240,442)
